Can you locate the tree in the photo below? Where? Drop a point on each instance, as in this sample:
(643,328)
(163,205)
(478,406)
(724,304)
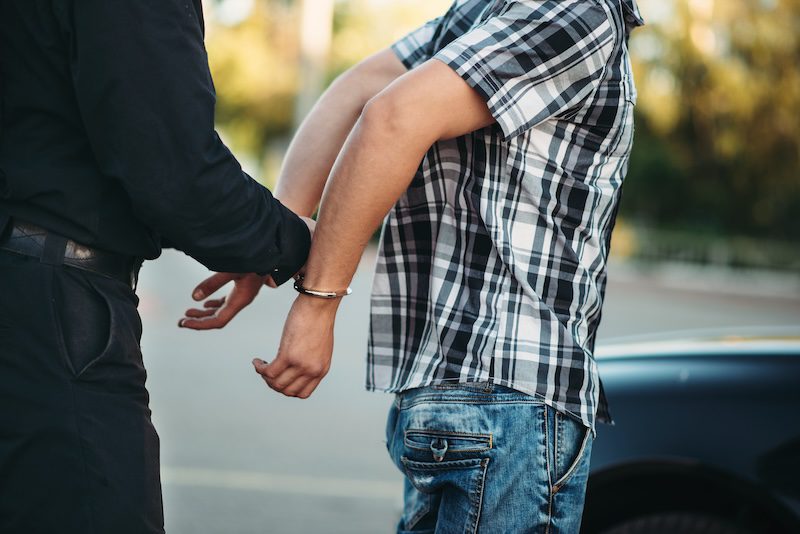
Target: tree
(717,147)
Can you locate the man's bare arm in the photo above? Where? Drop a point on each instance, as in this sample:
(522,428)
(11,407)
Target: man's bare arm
(375,167)
(320,137)
(305,170)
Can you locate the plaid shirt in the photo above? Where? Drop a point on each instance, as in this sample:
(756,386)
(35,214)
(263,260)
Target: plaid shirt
(492,265)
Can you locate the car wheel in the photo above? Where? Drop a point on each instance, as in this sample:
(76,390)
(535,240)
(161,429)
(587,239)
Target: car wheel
(677,523)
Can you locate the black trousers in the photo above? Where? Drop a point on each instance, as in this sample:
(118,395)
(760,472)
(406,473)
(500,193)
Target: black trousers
(78,452)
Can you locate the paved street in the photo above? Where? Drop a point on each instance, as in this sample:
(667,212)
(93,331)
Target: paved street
(238,458)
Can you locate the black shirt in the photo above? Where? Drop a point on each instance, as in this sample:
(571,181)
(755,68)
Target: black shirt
(107,137)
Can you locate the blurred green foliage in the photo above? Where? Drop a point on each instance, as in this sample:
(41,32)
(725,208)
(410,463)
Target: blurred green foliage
(254,63)
(717,146)
(254,55)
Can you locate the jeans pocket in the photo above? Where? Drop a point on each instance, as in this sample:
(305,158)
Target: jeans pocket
(571,448)
(447,464)
(435,445)
(460,482)
(84,318)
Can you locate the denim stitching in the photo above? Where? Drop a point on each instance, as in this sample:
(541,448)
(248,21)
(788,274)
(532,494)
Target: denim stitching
(483,438)
(440,466)
(449,433)
(557,431)
(448,450)
(549,476)
(468,400)
(477,507)
(563,480)
(469,387)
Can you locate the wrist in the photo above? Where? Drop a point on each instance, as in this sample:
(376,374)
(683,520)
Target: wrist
(325,308)
(324,278)
(328,294)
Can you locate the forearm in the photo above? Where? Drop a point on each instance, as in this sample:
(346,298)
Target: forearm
(375,167)
(322,134)
(379,160)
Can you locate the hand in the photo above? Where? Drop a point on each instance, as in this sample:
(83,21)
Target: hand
(304,354)
(216,313)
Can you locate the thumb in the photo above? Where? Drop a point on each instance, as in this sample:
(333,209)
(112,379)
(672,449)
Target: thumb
(269,369)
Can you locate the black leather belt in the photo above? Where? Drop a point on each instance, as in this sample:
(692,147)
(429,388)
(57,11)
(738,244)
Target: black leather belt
(30,240)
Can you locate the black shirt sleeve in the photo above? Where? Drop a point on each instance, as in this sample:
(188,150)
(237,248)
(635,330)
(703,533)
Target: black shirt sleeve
(146,99)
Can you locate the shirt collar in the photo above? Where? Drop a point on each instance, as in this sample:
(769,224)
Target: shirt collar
(633,16)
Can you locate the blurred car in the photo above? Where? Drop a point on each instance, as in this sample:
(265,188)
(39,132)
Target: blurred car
(706,437)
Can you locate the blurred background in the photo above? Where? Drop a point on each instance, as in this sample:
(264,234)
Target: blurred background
(708,236)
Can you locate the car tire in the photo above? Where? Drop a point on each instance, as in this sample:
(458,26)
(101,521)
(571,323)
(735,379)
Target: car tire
(677,523)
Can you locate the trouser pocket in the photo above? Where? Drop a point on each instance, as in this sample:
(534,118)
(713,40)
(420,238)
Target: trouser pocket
(445,473)
(84,318)
(570,446)
(99,328)
(458,483)
(82,448)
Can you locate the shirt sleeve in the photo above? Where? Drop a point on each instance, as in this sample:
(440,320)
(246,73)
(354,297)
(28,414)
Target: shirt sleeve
(534,59)
(146,98)
(417,47)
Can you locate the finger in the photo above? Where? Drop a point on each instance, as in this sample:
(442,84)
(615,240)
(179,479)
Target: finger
(268,281)
(261,367)
(309,388)
(196,313)
(228,311)
(243,294)
(214,303)
(216,319)
(297,387)
(286,380)
(270,370)
(202,323)
(211,284)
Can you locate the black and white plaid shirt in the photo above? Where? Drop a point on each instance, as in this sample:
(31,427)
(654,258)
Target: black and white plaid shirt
(492,265)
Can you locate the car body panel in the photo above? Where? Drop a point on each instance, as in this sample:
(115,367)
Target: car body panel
(728,405)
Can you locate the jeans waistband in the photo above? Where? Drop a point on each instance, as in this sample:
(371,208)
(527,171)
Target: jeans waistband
(469,392)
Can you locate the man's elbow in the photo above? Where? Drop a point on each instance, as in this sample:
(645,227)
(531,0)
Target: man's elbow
(392,117)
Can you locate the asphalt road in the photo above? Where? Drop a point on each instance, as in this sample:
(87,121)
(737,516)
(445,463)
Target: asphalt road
(238,458)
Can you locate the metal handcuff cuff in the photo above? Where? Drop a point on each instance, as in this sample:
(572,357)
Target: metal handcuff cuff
(298,286)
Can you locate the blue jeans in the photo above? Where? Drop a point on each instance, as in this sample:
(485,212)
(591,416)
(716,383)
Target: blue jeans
(485,458)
